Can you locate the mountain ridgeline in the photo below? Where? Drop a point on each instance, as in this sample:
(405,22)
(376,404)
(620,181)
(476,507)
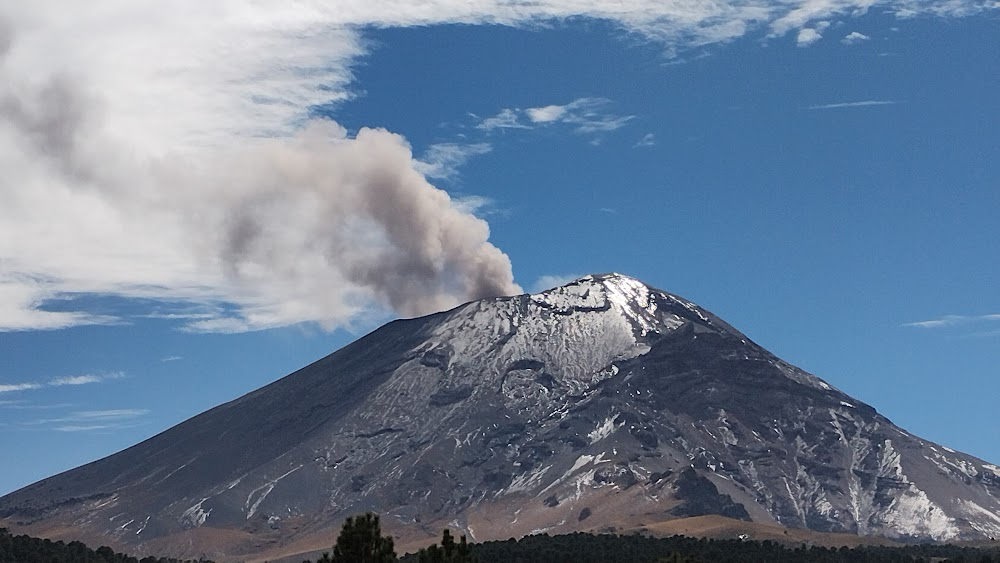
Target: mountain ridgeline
(602,405)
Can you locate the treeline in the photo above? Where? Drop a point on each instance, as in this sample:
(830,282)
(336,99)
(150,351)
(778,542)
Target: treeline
(361,541)
(27,549)
(593,548)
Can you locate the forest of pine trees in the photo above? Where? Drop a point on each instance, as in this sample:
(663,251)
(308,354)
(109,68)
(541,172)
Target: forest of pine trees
(361,541)
(26,549)
(592,548)
(365,535)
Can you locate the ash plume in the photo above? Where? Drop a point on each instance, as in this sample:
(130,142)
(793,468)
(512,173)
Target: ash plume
(315,226)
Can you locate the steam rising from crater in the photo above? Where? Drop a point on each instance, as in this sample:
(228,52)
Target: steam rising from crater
(245,231)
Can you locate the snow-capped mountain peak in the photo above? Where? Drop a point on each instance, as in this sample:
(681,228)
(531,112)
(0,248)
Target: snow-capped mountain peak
(604,403)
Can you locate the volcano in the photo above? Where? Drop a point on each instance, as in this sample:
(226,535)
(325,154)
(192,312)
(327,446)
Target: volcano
(602,405)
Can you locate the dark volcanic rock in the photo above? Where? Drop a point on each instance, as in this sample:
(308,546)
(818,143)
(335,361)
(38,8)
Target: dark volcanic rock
(701,497)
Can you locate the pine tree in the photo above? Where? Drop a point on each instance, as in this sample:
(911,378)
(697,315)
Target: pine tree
(361,541)
(449,552)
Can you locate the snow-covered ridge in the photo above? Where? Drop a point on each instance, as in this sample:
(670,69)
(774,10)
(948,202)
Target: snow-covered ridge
(597,321)
(597,292)
(624,295)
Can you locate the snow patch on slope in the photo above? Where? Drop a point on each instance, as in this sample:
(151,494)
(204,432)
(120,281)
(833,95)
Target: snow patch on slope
(911,512)
(528,480)
(980,518)
(195,515)
(602,431)
(264,490)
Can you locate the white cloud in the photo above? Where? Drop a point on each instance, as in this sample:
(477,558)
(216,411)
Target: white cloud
(108,414)
(601,124)
(142,145)
(444,159)
(84,379)
(864,103)
(60,382)
(75,380)
(27,405)
(954,320)
(11,387)
(506,119)
(171,358)
(647,140)
(180,316)
(22,294)
(807,36)
(854,37)
(89,427)
(546,114)
(584,115)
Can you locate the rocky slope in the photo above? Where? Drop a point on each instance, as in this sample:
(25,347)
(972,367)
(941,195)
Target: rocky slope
(604,404)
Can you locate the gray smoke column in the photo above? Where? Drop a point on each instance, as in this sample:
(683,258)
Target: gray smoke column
(359,208)
(317,227)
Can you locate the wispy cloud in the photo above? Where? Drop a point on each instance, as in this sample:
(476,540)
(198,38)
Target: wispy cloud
(861,104)
(60,382)
(171,358)
(75,380)
(584,116)
(81,421)
(854,37)
(954,320)
(12,387)
(28,405)
(602,124)
(506,119)
(180,316)
(85,379)
(443,160)
(647,140)
(108,414)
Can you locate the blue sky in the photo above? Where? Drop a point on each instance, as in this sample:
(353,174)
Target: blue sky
(194,218)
